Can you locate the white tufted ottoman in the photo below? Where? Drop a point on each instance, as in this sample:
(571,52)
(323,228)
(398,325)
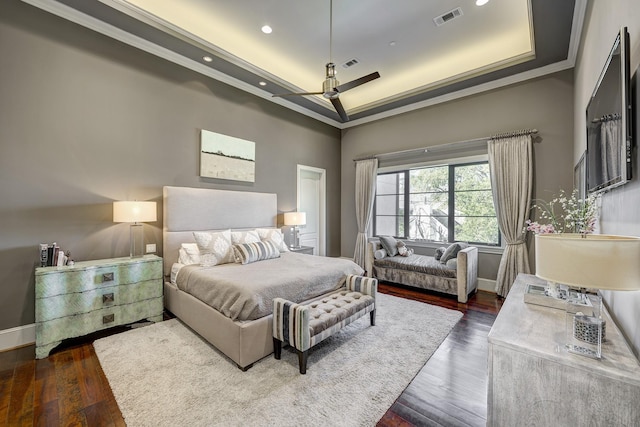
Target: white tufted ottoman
(305,325)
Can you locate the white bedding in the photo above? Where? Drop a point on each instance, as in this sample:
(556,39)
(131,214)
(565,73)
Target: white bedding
(246,292)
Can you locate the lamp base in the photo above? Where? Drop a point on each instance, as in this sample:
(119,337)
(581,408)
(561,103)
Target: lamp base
(585,331)
(136,240)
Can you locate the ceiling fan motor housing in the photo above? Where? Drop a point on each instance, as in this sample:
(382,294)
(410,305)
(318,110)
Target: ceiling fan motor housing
(329,88)
(330,83)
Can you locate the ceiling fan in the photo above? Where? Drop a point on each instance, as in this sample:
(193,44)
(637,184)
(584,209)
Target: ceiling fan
(331,87)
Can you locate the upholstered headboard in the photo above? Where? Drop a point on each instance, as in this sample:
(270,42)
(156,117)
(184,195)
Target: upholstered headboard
(198,209)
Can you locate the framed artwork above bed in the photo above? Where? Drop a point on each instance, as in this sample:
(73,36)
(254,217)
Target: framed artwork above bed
(227,157)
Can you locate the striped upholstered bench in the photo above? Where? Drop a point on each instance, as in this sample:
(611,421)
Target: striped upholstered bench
(304,325)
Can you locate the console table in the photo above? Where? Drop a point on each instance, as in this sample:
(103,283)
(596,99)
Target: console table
(534,381)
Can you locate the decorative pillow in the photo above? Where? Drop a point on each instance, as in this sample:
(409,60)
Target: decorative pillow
(273,235)
(403,250)
(248,236)
(439,253)
(389,244)
(379,254)
(189,254)
(246,253)
(215,247)
(452,251)
(452,264)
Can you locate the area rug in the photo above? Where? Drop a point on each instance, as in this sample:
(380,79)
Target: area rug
(166,375)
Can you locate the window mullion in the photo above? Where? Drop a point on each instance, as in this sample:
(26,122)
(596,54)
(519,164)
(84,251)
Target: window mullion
(452,220)
(407,193)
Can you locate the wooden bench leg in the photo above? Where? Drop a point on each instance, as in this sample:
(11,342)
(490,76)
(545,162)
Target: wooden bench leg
(302,360)
(277,348)
(373,317)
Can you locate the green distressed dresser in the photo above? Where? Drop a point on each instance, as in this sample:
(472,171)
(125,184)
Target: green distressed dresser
(94,295)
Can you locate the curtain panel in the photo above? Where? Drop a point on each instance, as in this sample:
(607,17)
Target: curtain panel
(366,175)
(511,168)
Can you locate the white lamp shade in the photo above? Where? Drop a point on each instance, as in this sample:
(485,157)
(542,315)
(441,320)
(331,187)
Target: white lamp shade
(134,212)
(295,218)
(593,261)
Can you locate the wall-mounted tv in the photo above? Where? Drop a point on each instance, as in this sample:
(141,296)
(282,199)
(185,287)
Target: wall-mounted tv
(609,119)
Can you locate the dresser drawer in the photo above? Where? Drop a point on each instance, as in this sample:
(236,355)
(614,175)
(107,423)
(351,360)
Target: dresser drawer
(81,324)
(94,299)
(66,280)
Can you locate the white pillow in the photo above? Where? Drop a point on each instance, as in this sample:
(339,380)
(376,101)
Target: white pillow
(379,254)
(273,235)
(215,247)
(249,236)
(189,254)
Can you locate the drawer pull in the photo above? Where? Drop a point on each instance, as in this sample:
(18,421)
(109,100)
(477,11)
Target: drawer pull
(109,318)
(108,298)
(107,277)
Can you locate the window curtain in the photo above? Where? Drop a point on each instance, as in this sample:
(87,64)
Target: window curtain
(366,173)
(511,167)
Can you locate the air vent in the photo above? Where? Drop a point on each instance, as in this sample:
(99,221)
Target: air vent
(350,63)
(442,19)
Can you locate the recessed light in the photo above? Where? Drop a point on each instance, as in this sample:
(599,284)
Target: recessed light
(267,29)
(207,58)
(481,2)
(262,83)
(392,43)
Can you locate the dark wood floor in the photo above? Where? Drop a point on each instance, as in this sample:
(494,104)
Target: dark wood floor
(69,387)
(451,389)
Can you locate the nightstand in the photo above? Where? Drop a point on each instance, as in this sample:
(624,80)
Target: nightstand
(303,250)
(94,295)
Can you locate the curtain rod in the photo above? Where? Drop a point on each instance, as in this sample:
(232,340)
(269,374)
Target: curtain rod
(449,145)
(514,133)
(607,118)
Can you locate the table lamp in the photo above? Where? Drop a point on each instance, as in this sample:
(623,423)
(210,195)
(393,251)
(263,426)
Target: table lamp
(135,213)
(295,219)
(588,261)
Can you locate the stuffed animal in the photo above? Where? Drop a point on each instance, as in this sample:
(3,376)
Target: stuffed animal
(403,250)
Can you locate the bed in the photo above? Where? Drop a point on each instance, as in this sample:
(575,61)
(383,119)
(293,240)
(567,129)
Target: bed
(241,330)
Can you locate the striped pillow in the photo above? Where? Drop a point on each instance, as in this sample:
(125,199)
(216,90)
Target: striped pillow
(246,253)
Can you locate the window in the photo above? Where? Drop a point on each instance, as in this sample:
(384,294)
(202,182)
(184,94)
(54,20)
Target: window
(443,203)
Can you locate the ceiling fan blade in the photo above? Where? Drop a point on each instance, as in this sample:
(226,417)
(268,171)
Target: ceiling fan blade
(295,94)
(340,109)
(357,82)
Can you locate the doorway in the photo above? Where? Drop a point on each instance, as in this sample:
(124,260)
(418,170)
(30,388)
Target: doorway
(312,195)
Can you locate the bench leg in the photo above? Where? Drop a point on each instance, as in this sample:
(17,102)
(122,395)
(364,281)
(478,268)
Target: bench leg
(302,360)
(277,348)
(372,314)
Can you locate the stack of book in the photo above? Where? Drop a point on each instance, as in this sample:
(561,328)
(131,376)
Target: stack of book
(52,256)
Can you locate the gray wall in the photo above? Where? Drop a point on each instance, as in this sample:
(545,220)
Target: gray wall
(545,104)
(85,120)
(621,206)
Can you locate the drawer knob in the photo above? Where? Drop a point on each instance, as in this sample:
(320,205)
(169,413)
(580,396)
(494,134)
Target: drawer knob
(109,318)
(107,277)
(108,298)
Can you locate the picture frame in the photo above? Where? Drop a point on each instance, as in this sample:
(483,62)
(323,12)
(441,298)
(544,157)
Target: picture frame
(227,157)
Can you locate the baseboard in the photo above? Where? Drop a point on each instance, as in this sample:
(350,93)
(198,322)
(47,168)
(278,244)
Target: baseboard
(17,337)
(487,285)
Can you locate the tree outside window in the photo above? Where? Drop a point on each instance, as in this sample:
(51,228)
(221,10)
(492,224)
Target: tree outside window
(443,204)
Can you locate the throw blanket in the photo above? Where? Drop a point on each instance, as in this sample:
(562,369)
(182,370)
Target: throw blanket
(246,292)
(418,263)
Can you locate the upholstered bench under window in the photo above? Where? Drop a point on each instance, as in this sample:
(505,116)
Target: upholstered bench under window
(304,325)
